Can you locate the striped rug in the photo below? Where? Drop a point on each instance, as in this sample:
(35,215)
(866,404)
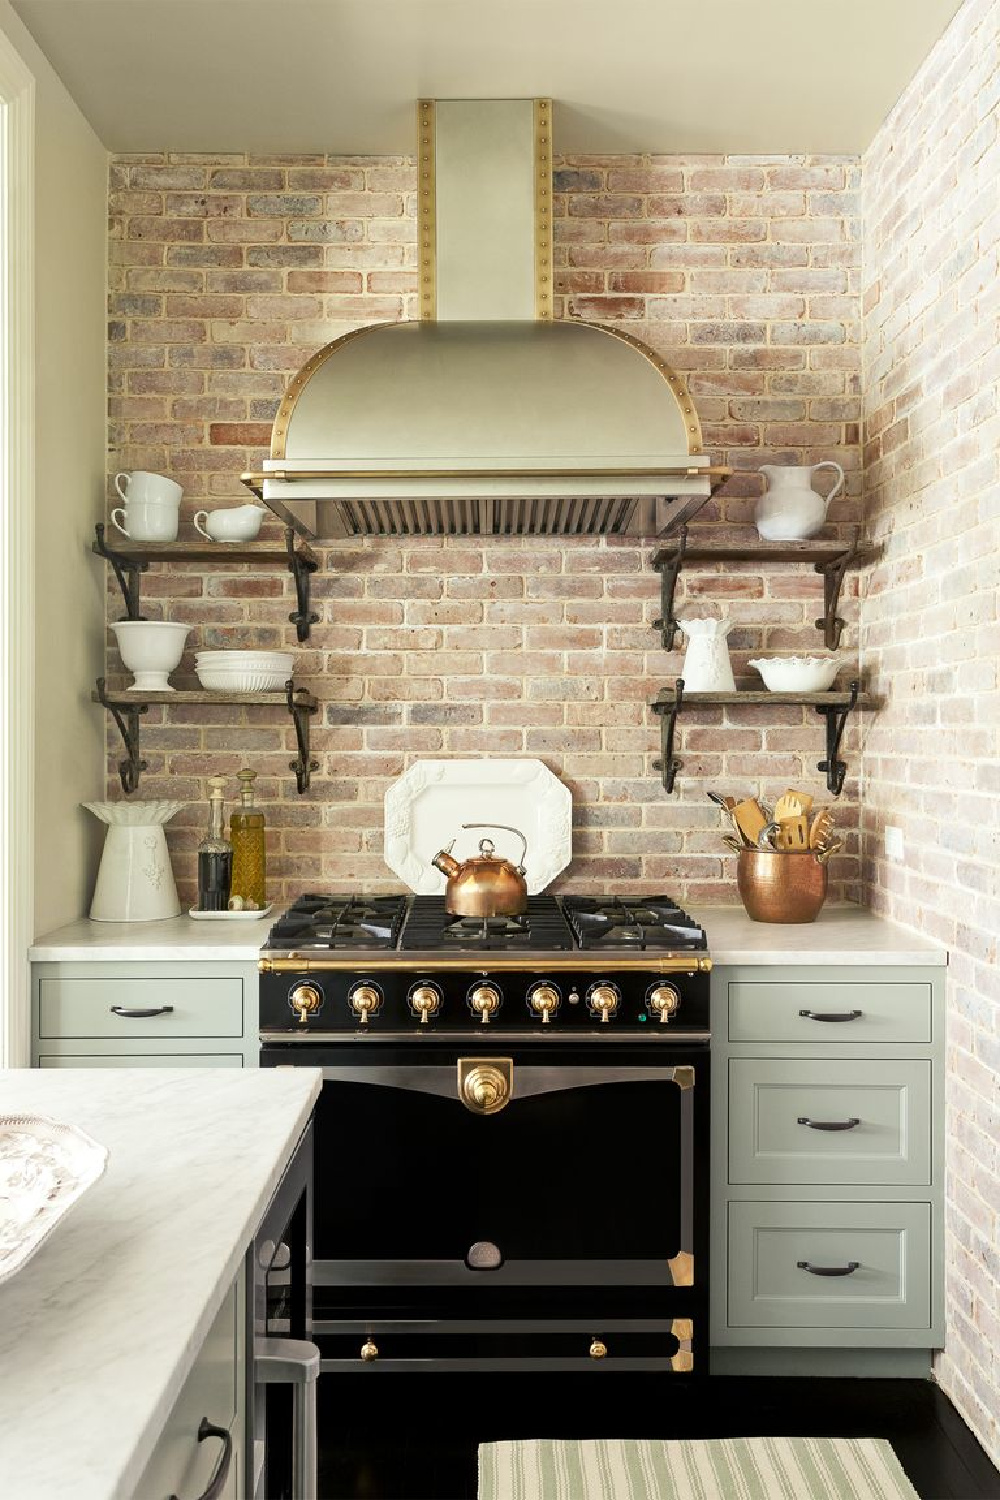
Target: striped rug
(720,1469)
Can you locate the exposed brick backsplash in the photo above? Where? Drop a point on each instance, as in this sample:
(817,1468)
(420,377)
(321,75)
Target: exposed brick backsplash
(930,635)
(227,272)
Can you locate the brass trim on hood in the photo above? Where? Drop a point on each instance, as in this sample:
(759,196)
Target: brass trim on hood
(426,210)
(543,210)
(298,383)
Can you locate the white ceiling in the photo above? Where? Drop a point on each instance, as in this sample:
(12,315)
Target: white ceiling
(341,76)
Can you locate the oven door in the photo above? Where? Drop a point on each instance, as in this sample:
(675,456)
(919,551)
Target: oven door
(463,1167)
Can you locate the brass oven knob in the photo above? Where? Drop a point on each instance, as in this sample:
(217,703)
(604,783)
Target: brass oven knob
(365,1001)
(369,1351)
(484,1002)
(485,1089)
(603,998)
(664,1001)
(544,1001)
(305,999)
(598,1349)
(425,1001)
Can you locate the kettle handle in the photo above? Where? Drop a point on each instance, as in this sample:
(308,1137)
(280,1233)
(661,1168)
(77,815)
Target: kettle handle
(506,829)
(829,464)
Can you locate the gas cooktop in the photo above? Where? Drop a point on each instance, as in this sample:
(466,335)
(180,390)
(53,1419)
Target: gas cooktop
(319,923)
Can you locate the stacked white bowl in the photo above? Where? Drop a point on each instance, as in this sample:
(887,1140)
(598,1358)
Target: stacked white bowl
(243,671)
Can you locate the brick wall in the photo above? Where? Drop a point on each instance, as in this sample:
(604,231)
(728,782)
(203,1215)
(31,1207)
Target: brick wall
(228,271)
(931,638)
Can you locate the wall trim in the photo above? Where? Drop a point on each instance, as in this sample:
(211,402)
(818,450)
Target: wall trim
(17,547)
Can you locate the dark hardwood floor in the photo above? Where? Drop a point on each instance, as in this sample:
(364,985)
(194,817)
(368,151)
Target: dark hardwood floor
(392,1437)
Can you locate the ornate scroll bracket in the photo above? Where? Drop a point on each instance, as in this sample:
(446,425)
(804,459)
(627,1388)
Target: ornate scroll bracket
(668,765)
(126,716)
(836,721)
(301,709)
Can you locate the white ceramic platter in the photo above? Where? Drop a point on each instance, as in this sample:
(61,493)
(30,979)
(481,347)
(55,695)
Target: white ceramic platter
(44,1168)
(254,915)
(426,807)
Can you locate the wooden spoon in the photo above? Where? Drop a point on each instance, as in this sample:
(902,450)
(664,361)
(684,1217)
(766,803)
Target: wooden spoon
(822,827)
(791,803)
(793,833)
(750,819)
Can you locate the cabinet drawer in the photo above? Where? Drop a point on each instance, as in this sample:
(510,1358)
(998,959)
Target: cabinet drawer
(887,1243)
(770,1101)
(141,1060)
(769,1012)
(188,1007)
(180,1465)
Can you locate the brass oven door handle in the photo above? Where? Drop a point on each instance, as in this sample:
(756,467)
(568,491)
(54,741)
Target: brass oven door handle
(140,1012)
(829,1124)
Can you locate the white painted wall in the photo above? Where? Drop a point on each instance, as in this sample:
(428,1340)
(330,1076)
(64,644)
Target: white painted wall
(70,330)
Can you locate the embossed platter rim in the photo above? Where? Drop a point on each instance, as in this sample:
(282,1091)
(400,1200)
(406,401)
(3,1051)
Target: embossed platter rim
(426,807)
(79,1162)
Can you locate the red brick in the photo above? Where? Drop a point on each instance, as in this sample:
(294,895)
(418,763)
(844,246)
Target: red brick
(241,434)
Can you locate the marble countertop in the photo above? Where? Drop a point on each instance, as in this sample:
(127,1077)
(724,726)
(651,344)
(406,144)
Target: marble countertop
(99,1330)
(839,935)
(179,938)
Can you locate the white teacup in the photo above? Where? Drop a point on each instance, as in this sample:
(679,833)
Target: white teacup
(148,489)
(143,521)
(238,524)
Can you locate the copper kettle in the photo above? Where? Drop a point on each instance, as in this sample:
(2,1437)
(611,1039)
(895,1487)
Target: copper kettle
(486,886)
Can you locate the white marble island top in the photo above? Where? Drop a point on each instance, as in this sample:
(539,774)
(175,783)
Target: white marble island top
(100,1329)
(839,935)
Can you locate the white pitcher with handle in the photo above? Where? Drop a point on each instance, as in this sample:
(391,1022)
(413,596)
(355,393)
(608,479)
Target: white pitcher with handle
(790,509)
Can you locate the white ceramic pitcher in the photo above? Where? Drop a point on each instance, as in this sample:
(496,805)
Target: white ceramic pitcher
(135,882)
(790,509)
(707,668)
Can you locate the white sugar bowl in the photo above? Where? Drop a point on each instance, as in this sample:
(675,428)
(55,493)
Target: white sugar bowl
(239,523)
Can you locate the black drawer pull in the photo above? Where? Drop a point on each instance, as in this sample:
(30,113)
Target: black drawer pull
(139,1012)
(848,1270)
(831,1015)
(829,1124)
(217,1483)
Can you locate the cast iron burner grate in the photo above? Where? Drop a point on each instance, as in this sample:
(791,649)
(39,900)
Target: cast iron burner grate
(640,922)
(541,927)
(323,921)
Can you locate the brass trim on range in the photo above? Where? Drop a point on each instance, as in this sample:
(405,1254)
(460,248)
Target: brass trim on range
(684,1077)
(683,1331)
(682,1268)
(485,1084)
(543,210)
(473,963)
(427,210)
(677,384)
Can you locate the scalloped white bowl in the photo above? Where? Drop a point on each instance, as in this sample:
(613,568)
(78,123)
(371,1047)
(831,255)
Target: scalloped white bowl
(241,680)
(796,674)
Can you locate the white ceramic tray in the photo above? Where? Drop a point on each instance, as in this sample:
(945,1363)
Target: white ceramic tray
(44,1168)
(230,916)
(426,807)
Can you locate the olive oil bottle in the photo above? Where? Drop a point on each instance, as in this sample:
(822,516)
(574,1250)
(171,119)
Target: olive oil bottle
(215,855)
(246,833)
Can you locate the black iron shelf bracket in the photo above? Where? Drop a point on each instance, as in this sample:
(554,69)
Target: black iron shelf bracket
(668,765)
(127,571)
(301,711)
(836,720)
(833,572)
(131,767)
(301,568)
(668,564)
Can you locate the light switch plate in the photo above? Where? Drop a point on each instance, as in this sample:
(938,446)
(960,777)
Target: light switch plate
(894,845)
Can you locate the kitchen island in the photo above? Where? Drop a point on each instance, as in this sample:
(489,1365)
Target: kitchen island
(101,1328)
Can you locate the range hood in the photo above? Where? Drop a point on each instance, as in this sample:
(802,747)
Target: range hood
(487,416)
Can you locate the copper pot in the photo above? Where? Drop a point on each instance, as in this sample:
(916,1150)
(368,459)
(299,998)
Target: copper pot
(486,886)
(781,885)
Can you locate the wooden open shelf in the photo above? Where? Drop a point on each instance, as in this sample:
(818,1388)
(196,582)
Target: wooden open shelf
(835,706)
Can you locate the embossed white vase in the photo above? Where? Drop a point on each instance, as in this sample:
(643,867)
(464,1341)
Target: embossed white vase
(135,882)
(707,668)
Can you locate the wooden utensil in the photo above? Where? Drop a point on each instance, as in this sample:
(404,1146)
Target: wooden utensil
(793,833)
(791,803)
(727,804)
(749,819)
(829,850)
(822,827)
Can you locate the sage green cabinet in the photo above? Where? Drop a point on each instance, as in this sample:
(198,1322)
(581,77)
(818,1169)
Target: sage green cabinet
(827,1164)
(134,1015)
